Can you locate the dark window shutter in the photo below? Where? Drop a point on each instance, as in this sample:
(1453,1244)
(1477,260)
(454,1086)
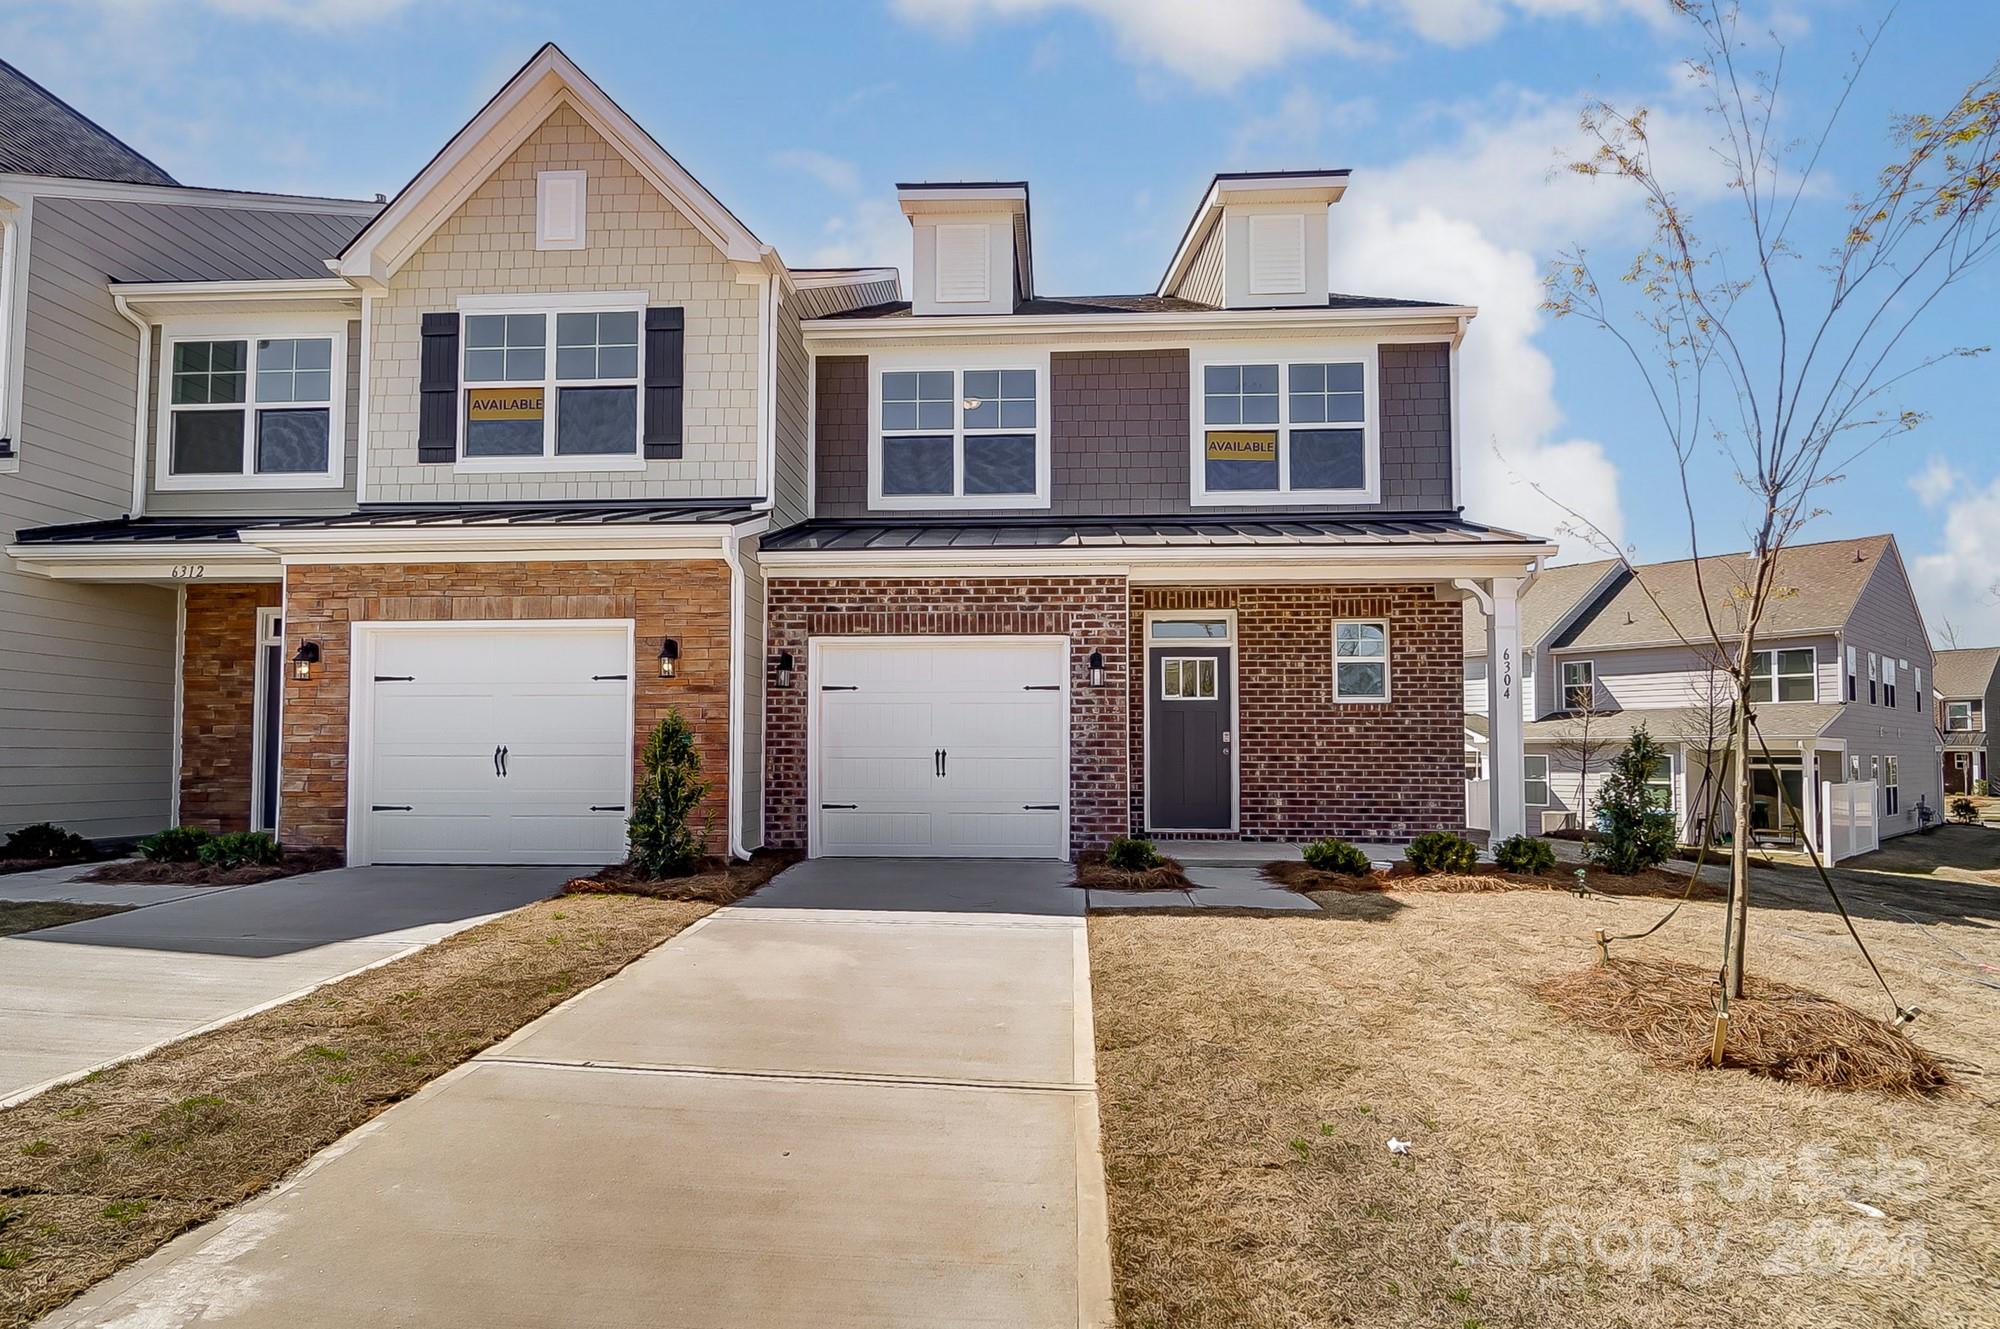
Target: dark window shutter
(665,334)
(437,384)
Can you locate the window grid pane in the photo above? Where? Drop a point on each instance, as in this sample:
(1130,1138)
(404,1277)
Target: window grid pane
(506,348)
(295,369)
(209,372)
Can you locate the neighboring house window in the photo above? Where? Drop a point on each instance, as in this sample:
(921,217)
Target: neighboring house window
(527,399)
(1923,698)
(1889,683)
(1958,715)
(1282,429)
(1474,765)
(1850,673)
(1361,661)
(251,411)
(1854,768)
(1187,678)
(970,438)
(1889,785)
(1783,675)
(1874,673)
(1579,685)
(1660,784)
(1535,780)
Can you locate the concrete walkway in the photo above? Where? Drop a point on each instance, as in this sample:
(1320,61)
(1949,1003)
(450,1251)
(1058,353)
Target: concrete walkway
(865,1097)
(76,997)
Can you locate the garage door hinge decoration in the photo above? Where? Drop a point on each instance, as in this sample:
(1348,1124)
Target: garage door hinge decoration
(395,678)
(839,687)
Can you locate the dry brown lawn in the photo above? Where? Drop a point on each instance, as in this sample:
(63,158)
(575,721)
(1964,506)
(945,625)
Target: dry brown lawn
(28,915)
(1252,1069)
(99,1173)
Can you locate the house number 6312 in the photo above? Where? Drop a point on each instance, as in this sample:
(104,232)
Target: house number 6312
(190,571)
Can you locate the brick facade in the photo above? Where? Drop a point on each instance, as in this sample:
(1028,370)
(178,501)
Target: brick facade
(1089,610)
(1309,767)
(219,704)
(688,600)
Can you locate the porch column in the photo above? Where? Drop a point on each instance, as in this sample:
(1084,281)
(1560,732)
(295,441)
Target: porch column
(1503,706)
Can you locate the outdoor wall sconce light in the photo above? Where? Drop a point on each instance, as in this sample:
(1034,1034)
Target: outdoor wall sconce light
(784,673)
(1097,669)
(303,662)
(670,654)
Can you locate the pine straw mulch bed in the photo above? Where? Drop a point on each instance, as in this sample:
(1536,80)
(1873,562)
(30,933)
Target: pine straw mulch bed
(1094,874)
(97,1174)
(1250,1071)
(145,871)
(718,881)
(1666,1010)
(1652,883)
(32,915)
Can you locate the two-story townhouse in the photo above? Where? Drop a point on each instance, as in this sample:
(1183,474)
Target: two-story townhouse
(1839,692)
(1967,689)
(443,502)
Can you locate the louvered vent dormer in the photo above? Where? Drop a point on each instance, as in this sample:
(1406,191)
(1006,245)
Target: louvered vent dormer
(969,247)
(964,263)
(1257,242)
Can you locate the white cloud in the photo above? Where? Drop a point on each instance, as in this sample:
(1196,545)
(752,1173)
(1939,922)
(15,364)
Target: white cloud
(313,13)
(1933,484)
(872,231)
(1468,22)
(836,173)
(1212,45)
(1294,128)
(1961,581)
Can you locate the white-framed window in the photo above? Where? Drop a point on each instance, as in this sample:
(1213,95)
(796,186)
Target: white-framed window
(1189,629)
(1284,424)
(1579,685)
(252,407)
(1188,678)
(1889,681)
(1535,780)
(1958,714)
(1889,791)
(963,432)
(1874,675)
(1851,673)
(1854,767)
(1784,675)
(551,382)
(1361,660)
(1660,784)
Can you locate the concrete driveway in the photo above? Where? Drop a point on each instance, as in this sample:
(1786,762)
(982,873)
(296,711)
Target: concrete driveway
(865,1098)
(78,996)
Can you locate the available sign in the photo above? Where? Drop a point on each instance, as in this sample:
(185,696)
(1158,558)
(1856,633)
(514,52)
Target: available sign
(1243,445)
(503,404)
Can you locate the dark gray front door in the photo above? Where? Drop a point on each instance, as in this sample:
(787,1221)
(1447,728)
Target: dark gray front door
(1190,776)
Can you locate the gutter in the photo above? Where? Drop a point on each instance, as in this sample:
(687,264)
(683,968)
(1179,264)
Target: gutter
(118,300)
(1221,320)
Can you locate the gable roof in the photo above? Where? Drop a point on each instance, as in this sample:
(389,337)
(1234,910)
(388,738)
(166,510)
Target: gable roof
(1553,594)
(41,134)
(1965,672)
(549,79)
(1817,588)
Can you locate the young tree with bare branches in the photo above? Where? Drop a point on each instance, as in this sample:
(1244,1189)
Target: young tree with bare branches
(1784,352)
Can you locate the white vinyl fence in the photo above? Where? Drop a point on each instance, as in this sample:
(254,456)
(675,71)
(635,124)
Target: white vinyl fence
(1478,805)
(1847,819)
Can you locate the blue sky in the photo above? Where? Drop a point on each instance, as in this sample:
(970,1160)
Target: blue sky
(1450,112)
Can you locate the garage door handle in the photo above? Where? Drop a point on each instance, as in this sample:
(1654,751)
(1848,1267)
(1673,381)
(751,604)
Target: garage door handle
(503,762)
(391,807)
(1041,807)
(937,761)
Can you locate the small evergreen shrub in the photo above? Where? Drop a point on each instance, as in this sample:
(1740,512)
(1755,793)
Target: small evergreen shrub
(1981,789)
(1333,855)
(664,841)
(241,849)
(1524,853)
(176,844)
(1442,851)
(1964,809)
(45,840)
(1638,830)
(1131,855)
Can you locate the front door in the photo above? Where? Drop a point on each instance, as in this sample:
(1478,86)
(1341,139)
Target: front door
(1190,769)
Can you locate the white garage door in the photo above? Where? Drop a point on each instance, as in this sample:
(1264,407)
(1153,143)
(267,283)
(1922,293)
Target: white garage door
(942,749)
(497,744)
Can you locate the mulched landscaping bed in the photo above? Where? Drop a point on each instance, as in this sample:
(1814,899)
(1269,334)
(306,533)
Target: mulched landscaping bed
(718,881)
(1093,873)
(1651,882)
(145,872)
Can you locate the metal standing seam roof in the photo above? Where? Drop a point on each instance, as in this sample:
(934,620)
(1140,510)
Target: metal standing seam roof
(1220,531)
(1052,305)
(159,530)
(41,134)
(193,242)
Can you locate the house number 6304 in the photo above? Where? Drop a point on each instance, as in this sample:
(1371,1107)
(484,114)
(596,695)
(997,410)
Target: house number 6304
(190,571)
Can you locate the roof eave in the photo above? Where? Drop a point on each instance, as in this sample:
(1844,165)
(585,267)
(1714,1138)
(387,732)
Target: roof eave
(861,329)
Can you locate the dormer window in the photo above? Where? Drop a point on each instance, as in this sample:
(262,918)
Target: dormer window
(959,436)
(1285,427)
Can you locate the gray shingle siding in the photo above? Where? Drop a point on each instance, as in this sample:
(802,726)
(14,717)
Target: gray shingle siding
(1119,433)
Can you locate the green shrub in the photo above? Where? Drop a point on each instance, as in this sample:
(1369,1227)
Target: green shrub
(45,840)
(1442,851)
(1638,830)
(1131,855)
(1337,856)
(1964,809)
(1524,853)
(176,844)
(664,843)
(1981,789)
(241,849)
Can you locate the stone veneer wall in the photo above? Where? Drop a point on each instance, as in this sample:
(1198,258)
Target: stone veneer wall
(1311,767)
(686,599)
(219,703)
(1089,610)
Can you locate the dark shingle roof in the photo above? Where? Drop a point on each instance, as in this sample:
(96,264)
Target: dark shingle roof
(1966,671)
(1554,592)
(41,134)
(1138,304)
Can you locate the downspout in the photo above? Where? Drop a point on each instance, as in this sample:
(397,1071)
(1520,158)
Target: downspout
(734,803)
(145,406)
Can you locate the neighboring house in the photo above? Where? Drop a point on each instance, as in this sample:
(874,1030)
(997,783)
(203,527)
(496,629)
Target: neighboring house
(1840,695)
(423,514)
(1967,687)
